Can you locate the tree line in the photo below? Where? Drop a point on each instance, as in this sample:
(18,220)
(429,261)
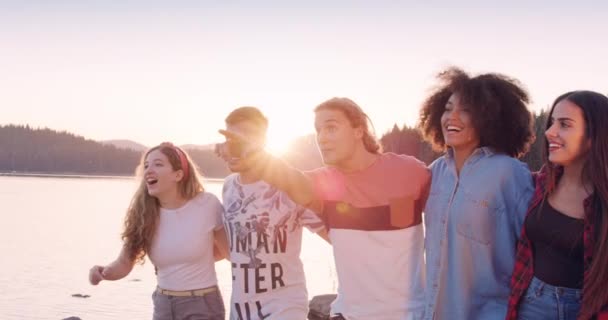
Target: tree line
(32,150)
(408,140)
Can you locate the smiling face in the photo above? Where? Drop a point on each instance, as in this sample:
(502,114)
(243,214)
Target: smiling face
(457,125)
(336,137)
(566,138)
(159,175)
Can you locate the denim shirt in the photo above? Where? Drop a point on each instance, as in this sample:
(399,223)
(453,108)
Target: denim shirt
(472,225)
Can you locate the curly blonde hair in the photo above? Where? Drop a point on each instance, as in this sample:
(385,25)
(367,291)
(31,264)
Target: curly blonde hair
(143,213)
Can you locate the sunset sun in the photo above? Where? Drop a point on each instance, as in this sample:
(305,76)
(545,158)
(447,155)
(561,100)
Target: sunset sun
(282,133)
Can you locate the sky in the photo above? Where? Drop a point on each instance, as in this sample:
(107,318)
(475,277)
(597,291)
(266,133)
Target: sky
(153,71)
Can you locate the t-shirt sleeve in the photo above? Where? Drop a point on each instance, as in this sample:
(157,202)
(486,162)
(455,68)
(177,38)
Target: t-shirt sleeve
(420,175)
(425,188)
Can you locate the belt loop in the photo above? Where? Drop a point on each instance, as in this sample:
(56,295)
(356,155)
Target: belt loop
(539,289)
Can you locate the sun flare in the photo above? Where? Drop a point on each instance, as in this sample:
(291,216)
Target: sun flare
(282,134)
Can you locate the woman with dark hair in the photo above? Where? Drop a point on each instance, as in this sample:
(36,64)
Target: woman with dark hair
(479,192)
(562,256)
(173,221)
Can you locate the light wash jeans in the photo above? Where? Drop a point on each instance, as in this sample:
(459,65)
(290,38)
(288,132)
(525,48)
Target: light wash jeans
(546,302)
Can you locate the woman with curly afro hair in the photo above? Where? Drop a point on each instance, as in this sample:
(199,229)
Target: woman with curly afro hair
(479,192)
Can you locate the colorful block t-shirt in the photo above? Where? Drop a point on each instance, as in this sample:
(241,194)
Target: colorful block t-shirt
(264,227)
(374,218)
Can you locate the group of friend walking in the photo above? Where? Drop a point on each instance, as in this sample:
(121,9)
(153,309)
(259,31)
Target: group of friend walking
(473,235)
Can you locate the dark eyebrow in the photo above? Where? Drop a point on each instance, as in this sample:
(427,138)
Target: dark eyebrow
(563,119)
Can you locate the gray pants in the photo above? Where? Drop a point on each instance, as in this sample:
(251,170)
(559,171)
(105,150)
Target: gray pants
(207,307)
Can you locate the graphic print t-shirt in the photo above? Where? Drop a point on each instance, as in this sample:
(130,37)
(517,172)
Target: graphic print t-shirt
(264,227)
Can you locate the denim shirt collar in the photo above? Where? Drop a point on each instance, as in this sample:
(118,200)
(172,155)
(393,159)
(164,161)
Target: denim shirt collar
(477,154)
(478,151)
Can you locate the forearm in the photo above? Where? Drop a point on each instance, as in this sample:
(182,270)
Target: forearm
(119,268)
(278,173)
(220,245)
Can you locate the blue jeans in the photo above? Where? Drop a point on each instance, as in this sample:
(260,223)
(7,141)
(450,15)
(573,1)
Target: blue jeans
(546,302)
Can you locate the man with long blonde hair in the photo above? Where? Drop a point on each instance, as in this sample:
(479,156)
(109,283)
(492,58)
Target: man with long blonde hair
(371,202)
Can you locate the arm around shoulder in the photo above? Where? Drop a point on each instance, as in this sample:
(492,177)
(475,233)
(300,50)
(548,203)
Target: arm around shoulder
(519,190)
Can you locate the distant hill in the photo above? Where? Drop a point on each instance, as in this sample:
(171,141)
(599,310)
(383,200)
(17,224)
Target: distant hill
(198,146)
(126,144)
(130,144)
(24,149)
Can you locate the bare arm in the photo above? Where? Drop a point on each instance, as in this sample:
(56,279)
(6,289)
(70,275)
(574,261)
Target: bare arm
(278,173)
(298,186)
(220,245)
(116,270)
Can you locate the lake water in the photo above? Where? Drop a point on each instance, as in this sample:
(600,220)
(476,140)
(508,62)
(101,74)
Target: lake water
(55,229)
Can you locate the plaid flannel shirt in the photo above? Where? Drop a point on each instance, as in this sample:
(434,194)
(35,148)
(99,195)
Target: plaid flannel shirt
(523,271)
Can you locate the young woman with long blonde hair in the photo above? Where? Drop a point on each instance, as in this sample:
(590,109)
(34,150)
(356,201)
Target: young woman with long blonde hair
(173,221)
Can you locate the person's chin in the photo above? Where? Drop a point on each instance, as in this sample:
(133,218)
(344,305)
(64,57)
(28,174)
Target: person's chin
(556,160)
(329,161)
(236,168)
(455,144)
(450,142)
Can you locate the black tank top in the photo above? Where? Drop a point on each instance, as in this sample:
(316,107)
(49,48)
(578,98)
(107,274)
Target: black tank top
(557,245)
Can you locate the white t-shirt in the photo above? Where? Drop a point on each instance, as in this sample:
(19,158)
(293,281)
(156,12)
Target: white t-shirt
(182,249)
(264,227)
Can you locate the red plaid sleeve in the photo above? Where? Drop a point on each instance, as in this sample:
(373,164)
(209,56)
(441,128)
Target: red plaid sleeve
(524,264)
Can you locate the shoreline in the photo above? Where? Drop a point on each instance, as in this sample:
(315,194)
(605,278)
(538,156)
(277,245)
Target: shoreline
(80,176)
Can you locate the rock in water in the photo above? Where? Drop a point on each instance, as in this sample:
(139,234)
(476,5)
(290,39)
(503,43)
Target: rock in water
(320,307)
(78,295)
(72,318)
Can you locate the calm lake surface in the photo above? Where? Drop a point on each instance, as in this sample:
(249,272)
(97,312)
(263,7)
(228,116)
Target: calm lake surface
(55,229)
